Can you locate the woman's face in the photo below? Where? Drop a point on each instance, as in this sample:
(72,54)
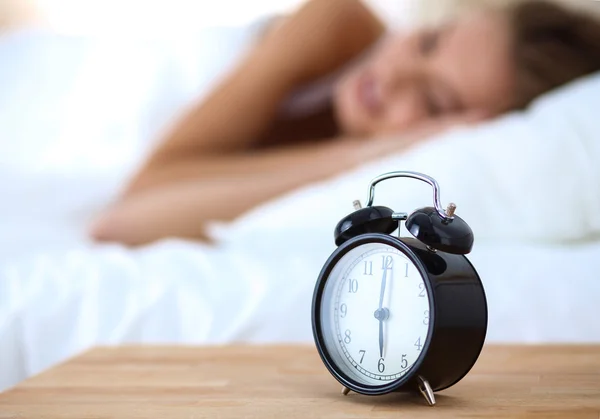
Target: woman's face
(462,67)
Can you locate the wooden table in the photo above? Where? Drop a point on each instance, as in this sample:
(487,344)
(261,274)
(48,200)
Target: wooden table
(291,382)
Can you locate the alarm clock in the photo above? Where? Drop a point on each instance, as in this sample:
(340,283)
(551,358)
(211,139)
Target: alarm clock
(400,314)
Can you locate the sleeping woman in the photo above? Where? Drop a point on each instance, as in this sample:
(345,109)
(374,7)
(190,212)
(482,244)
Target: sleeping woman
(328,89)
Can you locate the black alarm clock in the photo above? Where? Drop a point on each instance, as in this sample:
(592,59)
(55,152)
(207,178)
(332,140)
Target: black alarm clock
(394,313)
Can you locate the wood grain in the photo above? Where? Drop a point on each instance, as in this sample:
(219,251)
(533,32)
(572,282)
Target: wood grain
(291,382)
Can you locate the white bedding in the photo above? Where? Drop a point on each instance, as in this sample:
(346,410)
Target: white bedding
(77,116)
(56,304)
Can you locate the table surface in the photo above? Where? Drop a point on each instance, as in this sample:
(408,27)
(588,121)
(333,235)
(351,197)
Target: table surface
(291,382)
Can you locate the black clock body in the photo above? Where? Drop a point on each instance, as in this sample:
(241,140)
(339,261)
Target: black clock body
(458,318)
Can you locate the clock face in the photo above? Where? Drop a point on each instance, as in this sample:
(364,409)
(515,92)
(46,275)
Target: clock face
(375,314)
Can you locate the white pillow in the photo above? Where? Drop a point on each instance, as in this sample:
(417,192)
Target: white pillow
(529,176)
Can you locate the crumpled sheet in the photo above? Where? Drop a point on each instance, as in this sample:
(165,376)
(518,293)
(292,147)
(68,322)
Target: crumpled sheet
(54,305)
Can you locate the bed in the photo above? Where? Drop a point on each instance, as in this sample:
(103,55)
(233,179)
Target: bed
(527,184)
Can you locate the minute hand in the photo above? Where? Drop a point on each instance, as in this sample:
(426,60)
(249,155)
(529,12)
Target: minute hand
(383,283)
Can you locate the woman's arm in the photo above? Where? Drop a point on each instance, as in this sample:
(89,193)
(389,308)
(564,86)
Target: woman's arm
(181,208)
(327,157)
(320,37)
(182,203)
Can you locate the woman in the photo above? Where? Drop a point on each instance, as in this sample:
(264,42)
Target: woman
(322,92)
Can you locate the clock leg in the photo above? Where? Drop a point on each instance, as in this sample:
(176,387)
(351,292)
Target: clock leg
(426,390)
(345,391)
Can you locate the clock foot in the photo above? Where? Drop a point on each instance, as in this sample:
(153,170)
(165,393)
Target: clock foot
(426,390)
(345,391)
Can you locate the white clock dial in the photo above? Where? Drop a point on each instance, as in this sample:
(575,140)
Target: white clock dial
(375,314)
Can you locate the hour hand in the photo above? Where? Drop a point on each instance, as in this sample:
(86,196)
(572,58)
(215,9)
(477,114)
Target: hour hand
(380,338)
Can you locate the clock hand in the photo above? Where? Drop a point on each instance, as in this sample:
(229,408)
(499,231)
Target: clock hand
(383,283)
(380,338)
(380,311)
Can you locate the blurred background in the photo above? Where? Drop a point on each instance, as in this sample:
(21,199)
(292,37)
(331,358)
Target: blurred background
(134,17)
(166,18)
(88,86)
(150,18)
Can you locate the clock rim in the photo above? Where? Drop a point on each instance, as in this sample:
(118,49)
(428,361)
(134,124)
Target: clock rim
(316,314)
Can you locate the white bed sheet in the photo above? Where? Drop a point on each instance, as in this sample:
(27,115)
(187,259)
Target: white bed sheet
(56,304)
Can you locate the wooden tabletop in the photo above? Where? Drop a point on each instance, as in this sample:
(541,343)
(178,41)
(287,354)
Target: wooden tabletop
(291,382)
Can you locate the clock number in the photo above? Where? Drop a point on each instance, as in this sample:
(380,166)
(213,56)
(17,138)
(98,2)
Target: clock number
(381,365)
(362,353)
(421,290)
(347,338)
(426,319)
(404,363)
(406,274)
(343,310)
(418,345)
(353,286)
(368,268)
(386,262)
